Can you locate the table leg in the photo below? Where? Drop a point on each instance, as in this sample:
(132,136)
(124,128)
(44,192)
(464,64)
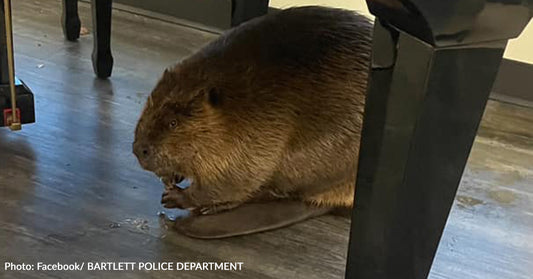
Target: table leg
(70,20)
(244,10)
(423,109)
(101,57)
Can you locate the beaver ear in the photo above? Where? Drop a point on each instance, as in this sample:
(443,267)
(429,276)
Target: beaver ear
(168,78)
(214,96)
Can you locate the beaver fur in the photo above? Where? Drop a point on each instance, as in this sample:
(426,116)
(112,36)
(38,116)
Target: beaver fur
(272,109)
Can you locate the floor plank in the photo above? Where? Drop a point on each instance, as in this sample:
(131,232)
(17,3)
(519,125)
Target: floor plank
(70,189)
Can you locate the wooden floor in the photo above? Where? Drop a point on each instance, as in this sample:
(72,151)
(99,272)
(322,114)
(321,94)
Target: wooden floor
(71,190)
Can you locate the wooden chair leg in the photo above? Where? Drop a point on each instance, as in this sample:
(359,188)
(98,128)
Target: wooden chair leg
(102,58)
(70,20)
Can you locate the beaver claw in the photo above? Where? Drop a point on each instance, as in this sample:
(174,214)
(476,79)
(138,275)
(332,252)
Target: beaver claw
(217,208)
(175,198)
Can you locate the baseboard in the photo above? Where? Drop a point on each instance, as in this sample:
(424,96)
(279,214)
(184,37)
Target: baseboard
(514,83)
(215,13)
(207,15)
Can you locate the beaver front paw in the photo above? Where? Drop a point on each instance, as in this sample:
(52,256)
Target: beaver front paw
(176,198)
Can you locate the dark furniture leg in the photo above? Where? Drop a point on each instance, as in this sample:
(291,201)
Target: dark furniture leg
(427,91)
(70,20)
(101,57)
(244,10)
(416,140)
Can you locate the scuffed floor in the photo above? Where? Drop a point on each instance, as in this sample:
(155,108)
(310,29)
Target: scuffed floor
(489,233)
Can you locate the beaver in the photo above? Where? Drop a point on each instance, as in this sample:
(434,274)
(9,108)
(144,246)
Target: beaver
(265,120)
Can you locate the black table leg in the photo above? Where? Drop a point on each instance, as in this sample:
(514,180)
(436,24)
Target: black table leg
(70,20)
(244,10)
(433,66)
(101,56)
(416,141)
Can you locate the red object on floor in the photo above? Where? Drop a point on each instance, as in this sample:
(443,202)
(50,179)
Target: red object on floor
(8,116)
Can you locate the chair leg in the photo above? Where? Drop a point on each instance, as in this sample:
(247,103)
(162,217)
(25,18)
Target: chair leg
(102,58)
(70,20)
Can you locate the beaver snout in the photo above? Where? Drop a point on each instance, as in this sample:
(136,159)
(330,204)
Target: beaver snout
(143,152)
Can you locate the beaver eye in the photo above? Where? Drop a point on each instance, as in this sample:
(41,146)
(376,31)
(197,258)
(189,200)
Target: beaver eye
(173,123)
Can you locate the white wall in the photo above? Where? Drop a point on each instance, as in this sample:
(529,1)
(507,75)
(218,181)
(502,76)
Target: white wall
(520,49)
